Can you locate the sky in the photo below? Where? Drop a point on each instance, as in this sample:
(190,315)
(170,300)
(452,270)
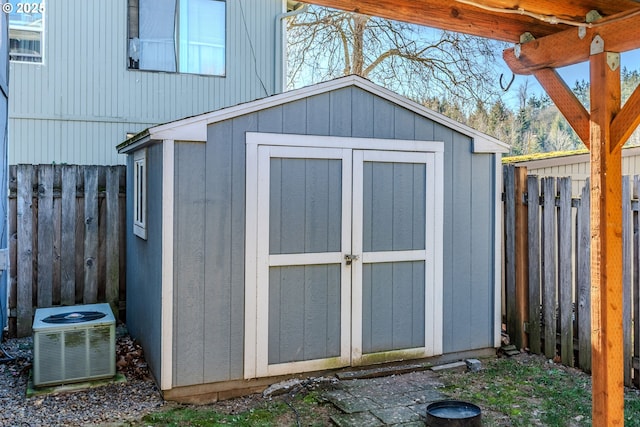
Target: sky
(630,60)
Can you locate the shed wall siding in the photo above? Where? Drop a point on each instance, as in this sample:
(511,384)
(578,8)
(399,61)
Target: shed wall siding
(79,104)
(189,264)
(144,260)
(350,112)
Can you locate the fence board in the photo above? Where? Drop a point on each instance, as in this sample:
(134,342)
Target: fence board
(565,287)
(68,235)
(57,214)
(549,267)
(59,239)
(510,266)
(24,303)
(636,279)
(534,263)
(90,235)
(583,278)
(113,222)
(626,279)
(13,250)
(45,236)
(521,258)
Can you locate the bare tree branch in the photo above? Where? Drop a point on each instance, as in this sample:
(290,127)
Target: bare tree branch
(415,61)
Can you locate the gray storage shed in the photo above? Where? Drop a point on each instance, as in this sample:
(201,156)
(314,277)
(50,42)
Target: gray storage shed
(331,226)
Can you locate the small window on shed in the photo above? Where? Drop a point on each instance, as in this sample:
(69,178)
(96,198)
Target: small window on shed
(140,194)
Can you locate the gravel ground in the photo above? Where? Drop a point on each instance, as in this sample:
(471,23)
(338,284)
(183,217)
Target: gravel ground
(108,404)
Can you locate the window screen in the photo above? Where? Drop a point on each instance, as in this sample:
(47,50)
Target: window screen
(26,29)
(186,36)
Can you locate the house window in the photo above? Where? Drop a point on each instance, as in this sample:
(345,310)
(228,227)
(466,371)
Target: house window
(140,194)
(184,36)
(26,29)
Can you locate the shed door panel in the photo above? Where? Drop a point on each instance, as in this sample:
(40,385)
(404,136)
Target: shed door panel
(304,313)
(393,283)
(393,306)
(393,220)
(305,205)
(305,217)
(303,287)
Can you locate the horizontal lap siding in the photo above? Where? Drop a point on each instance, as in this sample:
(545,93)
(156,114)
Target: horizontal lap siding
(349,112)
(78,105)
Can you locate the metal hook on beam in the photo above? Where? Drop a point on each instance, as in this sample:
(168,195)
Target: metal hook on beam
(513,77)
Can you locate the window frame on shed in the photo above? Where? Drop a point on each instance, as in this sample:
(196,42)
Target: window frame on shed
(140,193)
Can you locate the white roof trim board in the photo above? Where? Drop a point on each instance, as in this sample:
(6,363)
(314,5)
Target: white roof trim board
(195,128)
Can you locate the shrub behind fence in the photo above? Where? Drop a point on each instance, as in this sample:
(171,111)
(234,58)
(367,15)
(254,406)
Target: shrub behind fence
(67,245)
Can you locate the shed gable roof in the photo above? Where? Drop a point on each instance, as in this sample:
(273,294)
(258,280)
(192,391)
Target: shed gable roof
(195,128)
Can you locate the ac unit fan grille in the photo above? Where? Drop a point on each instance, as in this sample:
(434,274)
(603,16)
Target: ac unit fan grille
(68,356)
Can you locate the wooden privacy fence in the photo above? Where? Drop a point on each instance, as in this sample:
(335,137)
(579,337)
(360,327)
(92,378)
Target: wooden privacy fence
(67,245)
(547,266)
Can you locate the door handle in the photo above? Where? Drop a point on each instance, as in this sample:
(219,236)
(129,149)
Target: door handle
(349,258)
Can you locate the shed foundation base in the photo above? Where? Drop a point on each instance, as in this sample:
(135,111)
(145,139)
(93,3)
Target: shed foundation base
(201,394)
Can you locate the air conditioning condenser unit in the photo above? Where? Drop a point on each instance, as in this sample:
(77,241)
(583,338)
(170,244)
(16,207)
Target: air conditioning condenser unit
(73,344)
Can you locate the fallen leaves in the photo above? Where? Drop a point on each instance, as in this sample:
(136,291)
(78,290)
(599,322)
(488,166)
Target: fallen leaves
(130,359)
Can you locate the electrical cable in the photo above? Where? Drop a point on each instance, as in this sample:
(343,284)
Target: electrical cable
(253,52)
(291,395)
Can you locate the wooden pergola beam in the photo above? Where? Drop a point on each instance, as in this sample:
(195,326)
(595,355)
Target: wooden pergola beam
(451,16)
(568,104)
(627,120)
(570,47)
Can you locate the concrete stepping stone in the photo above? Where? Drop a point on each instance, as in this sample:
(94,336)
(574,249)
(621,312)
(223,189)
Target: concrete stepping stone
(359,419)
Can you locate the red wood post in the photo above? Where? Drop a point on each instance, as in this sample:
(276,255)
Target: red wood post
(606,244)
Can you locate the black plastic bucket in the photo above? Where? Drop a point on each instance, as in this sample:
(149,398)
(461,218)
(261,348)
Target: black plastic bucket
(453,413)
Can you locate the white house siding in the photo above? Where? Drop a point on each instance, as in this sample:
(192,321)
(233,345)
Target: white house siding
(82,101)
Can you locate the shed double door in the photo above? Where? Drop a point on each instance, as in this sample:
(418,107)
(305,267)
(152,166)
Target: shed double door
(344,257)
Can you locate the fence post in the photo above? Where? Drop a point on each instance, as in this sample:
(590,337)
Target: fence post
(516,255)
